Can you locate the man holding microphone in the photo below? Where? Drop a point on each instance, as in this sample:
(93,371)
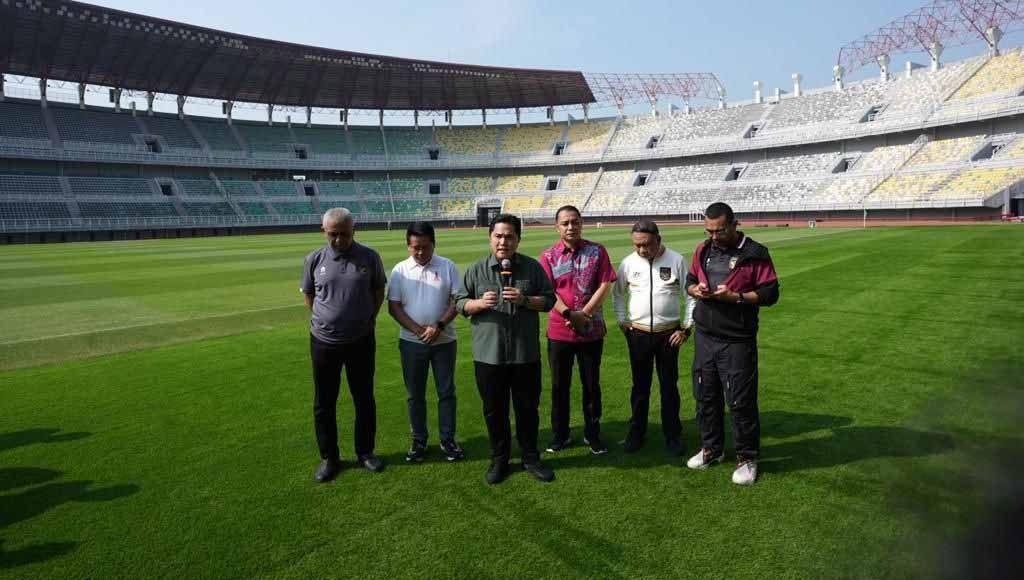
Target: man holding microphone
(502,295)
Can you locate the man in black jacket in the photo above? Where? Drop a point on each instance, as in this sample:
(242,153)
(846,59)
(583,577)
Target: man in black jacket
(732,277)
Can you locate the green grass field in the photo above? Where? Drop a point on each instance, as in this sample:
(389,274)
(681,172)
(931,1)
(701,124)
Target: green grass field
(155,421)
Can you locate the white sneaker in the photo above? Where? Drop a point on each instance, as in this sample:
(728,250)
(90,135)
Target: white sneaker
(745,474)
(703,460)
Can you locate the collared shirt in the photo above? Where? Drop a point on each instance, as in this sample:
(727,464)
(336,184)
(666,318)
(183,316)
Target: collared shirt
(576,275)
(425,291)
(505,334)
(647,293)
(342,285)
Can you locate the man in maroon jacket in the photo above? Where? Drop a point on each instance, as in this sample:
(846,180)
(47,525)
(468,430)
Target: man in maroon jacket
(732,277)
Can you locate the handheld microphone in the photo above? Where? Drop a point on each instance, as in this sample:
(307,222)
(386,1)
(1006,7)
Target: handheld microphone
(506,272)
(506,276)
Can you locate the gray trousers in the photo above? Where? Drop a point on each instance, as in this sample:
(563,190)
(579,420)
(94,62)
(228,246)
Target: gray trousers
(417,360)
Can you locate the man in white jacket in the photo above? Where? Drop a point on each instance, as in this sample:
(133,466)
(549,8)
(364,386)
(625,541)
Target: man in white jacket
(646,299)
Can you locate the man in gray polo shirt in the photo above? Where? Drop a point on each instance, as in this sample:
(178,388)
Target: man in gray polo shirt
(343,283)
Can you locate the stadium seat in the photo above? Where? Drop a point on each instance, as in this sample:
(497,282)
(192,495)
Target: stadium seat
(946,151)
(110,186)
(279,188)
(322,140)
(457,185)
(518,183)
(402,142)
(208,209)
(712,123)
(586,137)
(22,210)
(979,183)
(825,106)
(1003,73)
(118,209)
(94,127)
(337,188)
(538,139)
(174,132)
(468,140)
(218,136)
(41,185)
(239,188)
(198,187)
(22,121)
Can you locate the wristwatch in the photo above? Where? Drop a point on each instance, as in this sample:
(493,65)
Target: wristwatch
(740,299)
(440,324)
(566,313)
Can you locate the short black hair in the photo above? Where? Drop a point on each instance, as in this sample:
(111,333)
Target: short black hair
(507,218)
(571,208)
(420,229)
(719,209)
(646,226)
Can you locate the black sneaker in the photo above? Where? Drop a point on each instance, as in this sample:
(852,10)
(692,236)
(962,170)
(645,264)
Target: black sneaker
(452,450)
(674,447)
(496,473)
(417,452)
(327,470)
(597,447)
(632,444)
(557,445)
(539,471)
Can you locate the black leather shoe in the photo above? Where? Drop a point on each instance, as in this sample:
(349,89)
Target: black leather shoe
(371,462)
(674,447)
(632,444)
(496,473)
(417,452)
(327,470)
(539,471)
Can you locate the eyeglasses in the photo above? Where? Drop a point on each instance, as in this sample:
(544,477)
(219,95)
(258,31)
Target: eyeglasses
(717,232)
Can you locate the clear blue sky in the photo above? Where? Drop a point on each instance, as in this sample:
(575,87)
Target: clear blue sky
(740,41)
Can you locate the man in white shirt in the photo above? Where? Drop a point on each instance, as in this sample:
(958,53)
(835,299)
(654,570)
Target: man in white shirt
(420,298)
(646,298)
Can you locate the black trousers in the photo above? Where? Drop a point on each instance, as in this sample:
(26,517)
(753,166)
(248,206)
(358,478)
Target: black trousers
(519,384)
(648,351)
(358,360)
(560,358)
(726,372)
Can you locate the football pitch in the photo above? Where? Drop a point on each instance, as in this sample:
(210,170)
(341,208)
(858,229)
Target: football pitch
(156,422)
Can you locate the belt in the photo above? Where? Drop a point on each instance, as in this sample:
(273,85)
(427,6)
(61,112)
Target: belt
(658,328)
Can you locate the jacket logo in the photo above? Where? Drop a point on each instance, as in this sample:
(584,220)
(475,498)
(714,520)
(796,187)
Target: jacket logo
(363,269)
(665,273)
(323,269)
(732,262)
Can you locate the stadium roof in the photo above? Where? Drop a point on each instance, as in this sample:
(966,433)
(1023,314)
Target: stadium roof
(78,42)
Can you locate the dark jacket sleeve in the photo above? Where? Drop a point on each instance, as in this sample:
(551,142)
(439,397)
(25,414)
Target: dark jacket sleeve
(767,282)
(691,275)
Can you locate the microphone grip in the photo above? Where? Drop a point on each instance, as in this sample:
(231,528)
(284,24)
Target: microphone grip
(506,282)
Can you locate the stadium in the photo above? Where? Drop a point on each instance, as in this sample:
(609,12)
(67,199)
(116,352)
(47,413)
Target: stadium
(124,451)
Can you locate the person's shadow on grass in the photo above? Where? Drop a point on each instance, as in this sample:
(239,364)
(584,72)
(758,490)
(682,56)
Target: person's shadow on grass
(27,492)
(842,442)
(15,439)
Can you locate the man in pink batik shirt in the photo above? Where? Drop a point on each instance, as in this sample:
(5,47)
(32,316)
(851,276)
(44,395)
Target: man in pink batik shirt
(582,275)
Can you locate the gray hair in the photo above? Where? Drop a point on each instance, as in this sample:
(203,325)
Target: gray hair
(338,215)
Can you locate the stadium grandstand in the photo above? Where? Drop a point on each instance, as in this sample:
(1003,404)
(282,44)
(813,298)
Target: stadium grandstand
(939,141)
